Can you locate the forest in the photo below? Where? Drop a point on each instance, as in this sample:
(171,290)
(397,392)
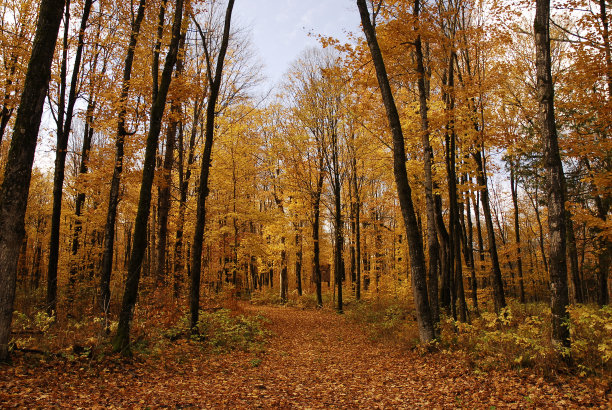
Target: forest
(416,216)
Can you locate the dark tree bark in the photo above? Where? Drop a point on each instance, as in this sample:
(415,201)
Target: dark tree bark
(428,157)
(83,169)
(357,231)
(161,17)
(573,258)
(499,298)
(316,209)
(64,124)
(111,215)
(417,258)
(121,341)
(470,249)
(517,231)
(298,258)
(456,268)
(184,178)
(18,169)
(198,237)
(556,178)
(164,194)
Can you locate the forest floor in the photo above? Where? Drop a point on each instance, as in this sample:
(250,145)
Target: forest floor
(312,359)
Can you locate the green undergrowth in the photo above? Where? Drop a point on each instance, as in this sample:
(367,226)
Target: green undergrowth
(517,338)
(223,331)
(386,320)
(272,297)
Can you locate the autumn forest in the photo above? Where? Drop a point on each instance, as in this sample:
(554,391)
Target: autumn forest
(415,215)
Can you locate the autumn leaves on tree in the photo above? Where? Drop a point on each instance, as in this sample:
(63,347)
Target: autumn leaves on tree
(421,160)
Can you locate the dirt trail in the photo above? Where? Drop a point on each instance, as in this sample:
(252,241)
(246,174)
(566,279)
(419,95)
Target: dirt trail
(314,359)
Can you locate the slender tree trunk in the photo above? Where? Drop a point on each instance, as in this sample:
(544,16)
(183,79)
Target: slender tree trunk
(428,159)
(111,215)
(315,235)
(198,237)
(470,245)
(298,259)
(517,232)
(121,341)
(164,191)
(18,168)
(573,258)
(184,178)
(58,175)
(556,178)
(357,232)
(338,242)
(417,258)
(499,298)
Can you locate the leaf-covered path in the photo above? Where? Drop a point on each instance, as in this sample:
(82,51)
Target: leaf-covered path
(314,359)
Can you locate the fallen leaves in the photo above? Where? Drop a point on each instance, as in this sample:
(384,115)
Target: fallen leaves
(314,359)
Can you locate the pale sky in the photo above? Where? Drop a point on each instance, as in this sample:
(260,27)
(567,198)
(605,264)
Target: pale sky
(281,28)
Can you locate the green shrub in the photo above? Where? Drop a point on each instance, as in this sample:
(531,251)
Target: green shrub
(224,332)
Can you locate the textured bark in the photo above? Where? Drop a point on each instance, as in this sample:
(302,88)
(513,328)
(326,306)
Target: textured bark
(432,237)
(198,237)
(64,125)
(417,258)
(121,341)
(111,215)
(18,168)
(556,179)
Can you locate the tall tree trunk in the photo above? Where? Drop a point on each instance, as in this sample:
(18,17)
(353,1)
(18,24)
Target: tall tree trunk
(357,232)
(198,237)
(556,178)
(338,241)
(428,158)
(470,249)
(499,298)
(184,178)
(111,215)
(298,258)
(517,232)
(316,263)
(417,258)
(164,190)
(121,341)
(18,168)
(58,175)
(573,258)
